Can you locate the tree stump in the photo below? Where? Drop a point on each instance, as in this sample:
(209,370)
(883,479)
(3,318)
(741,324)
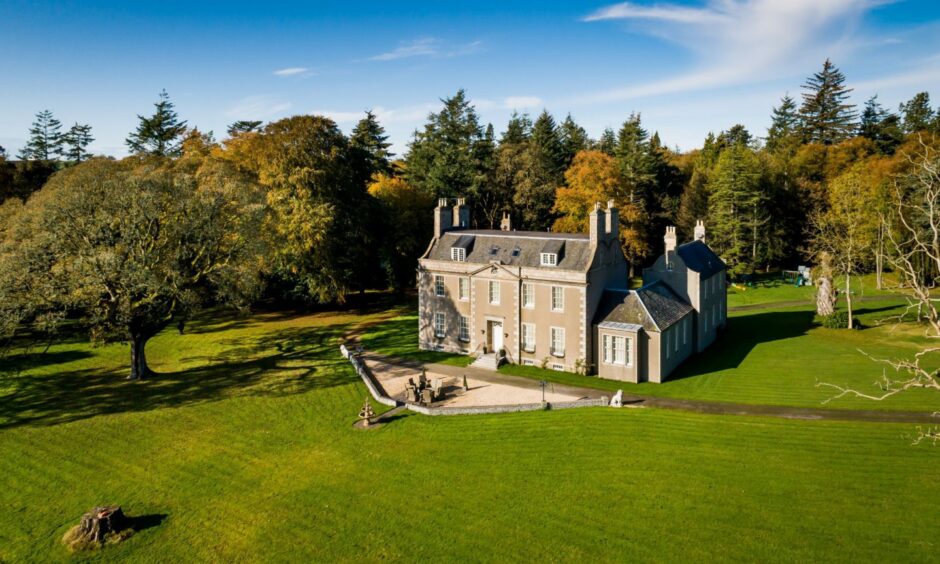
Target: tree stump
(96,527)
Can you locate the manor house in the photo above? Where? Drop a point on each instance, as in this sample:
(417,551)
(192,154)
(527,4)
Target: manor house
(561,300)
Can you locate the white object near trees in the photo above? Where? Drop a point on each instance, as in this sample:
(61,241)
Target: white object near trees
(617,400)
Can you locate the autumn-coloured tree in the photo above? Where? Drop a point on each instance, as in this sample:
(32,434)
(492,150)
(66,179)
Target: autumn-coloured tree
(406,223)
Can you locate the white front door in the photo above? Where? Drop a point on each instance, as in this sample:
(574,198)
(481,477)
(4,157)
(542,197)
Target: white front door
(496,335)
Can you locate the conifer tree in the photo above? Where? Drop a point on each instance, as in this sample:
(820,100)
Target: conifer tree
(370,138)
(541,173)
(573,140)
(737,208)
(784,125)
(159,134)
(512,144)
(76,140)
(440,159)
(916,113)
(607,144)
(243,126)
(827,115)
(45,138)
(632,153)
(487,197)
(881,126)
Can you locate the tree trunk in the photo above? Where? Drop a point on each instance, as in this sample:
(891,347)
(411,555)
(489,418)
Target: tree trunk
(848,299)
(879,258)
(139,368)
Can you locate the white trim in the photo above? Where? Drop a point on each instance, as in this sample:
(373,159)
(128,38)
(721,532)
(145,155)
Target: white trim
(461,294)
(551,341)
(439,290)
(522,337)
(490,294)
(562,300)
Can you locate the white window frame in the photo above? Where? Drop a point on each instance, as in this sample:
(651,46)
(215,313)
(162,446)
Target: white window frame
(558,367)
(528,362)
(548,259)
(439,289)
(494,292)
(557,334)
(440,324)
(464,329)
(458,254)
(616,350)
(560,305)
(528,337)
(463,288)
(528,295)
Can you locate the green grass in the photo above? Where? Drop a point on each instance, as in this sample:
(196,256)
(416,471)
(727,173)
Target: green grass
(772,288)
(398,337)
(242,448)
(776,356)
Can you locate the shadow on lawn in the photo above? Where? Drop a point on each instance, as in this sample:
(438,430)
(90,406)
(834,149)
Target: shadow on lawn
(289,361)
(399,338)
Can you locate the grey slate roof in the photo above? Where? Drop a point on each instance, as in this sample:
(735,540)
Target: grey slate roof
(655,307)
(515,248)
(700,258)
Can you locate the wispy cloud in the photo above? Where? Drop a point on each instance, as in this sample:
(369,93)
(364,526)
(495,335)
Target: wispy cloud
(405,114)
(736,42)
(508,103)
(291,71)
(257,107)
(426,47)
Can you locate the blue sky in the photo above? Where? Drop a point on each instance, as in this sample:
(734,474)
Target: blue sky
(689,67)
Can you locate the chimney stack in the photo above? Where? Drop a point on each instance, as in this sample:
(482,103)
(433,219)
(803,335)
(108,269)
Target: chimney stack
(596,223)
(613,220)
(506,223)
(461,214)
(670,240)
(443,218)
(700,231)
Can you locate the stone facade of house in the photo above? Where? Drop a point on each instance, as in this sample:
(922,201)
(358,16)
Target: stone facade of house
(559,300)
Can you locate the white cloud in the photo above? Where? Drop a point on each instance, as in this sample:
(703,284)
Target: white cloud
(522,102)
(426,47)
(737,42)
(405,114)
(291,71)
(257,107)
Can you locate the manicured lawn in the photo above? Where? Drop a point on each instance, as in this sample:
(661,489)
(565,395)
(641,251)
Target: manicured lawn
(242,449)
(776,356)
(398,337)
(773,288)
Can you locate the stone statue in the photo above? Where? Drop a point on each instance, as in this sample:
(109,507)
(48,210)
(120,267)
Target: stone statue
(617,400)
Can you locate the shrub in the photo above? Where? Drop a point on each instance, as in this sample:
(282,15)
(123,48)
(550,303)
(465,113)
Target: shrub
(836,320)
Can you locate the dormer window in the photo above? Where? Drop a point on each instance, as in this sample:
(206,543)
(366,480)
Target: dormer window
(458,254)
(549,259)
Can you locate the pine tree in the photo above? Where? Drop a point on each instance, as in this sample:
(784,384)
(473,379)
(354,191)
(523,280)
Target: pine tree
(487,197)
(541,173)
(243,126)
(77,139)
(826,114)
(607,144)
(632,153)
(159,134)
(440,159)
(881,126)
(784,125)
(573,140)
(737,210)
(512,145)
(369,138)
(916,113)
(45,139)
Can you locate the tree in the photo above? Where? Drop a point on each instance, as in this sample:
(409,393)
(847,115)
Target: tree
(320,217)
(512,145)
(784,125)
(573,140)
(607,144)
(45,138)
(916,113)
(595,177)
(243,126)
(880,126)
(77,139)
(158,135)
(736,208)
(440,159)
(134,247)
(826,114)
(541,173)
(370,140)
(845,233)
(487,197)
(406,225)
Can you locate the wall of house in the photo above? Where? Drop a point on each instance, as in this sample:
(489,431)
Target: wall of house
(571,319)
(635,371)
(713,309)
(505,311)
(430,303)
(609,270)
(682,344)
